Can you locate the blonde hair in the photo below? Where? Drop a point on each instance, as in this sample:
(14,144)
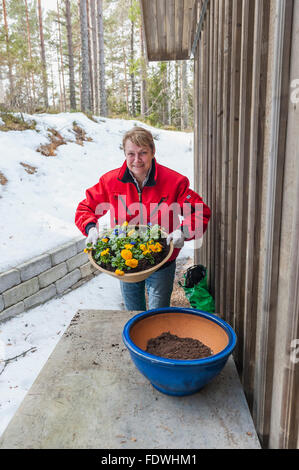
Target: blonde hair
(141,137)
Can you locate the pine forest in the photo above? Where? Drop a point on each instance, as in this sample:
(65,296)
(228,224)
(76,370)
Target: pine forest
(88,55)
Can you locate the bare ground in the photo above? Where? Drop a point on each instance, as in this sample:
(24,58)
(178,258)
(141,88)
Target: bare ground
(178,298)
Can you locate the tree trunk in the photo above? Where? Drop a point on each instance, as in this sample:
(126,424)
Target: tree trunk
(59,79)
(184,95)
(126,81)
(165,110)
(169,97)
(91,94)
(103,101)
(43,55)
(53,89)
(61,59)
(177,95)
(71,55)
(143,93)
(30,54)
(132,75)
(85,105)
(2,93)
(95,55)
(9,62)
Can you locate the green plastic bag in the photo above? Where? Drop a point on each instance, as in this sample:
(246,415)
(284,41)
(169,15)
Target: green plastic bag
(196,289)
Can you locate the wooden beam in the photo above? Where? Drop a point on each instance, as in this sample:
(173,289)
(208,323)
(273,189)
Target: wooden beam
(159,7)
(256,161)
(225,153)
(145,37)
(205,136)
(233,157)
(280,103)
(204,5)
(187,25)
(170,27)
(219,157)
(212,18)
(192,31)
(242,186)
(179,15)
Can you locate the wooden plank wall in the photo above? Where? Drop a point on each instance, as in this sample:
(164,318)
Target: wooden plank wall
(247,170)
(168,26)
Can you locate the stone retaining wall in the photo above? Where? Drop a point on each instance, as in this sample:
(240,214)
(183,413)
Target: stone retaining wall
(49,275)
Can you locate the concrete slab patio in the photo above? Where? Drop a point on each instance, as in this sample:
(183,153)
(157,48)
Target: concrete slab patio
(90,395)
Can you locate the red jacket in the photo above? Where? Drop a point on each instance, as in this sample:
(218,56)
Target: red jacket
(165,197)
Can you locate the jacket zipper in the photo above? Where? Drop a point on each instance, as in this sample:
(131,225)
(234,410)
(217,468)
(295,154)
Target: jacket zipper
(141,212)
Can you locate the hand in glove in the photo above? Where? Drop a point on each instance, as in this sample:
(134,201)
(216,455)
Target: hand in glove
(92,236)
(177,238)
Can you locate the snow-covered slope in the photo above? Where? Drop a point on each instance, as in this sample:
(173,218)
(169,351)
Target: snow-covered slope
(37,210)
(37,213)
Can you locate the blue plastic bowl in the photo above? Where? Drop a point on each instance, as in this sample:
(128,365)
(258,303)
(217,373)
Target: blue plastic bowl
(172,376)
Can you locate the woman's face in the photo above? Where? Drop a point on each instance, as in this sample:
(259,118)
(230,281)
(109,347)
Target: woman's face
(139,159)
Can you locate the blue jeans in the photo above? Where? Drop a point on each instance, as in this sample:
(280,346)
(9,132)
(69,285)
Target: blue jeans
(159,288)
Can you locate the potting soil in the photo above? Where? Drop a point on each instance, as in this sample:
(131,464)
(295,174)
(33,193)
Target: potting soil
(171,346)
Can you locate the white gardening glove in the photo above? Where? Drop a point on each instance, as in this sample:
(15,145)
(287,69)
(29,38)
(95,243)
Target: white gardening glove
(92,236)
(177,238)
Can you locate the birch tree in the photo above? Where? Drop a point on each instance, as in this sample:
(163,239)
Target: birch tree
(143,90)
(132,16)
(103,100)
(30,51)
(70,55)
(184,96)
(95,55)
(91,93)
(43,56)
(126,80)
(9,61)
(61,58)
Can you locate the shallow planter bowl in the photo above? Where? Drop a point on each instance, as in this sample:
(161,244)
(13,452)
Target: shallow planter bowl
(173,376)
(134,277)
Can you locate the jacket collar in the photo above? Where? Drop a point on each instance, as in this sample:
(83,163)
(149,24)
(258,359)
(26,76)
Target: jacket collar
(125,177)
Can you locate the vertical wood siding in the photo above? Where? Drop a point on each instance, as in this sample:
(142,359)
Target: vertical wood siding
(247,170)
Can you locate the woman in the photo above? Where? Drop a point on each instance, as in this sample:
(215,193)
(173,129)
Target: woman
(142,191)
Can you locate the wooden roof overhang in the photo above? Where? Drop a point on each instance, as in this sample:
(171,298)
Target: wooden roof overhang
(168,28)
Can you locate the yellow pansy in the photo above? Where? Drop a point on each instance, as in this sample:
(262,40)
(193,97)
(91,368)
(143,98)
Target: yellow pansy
(119,272)
(152,248)
(142,247)
(105,252)
(105,240)
(128,246)
(126,254)
(125,224)
(132,262)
